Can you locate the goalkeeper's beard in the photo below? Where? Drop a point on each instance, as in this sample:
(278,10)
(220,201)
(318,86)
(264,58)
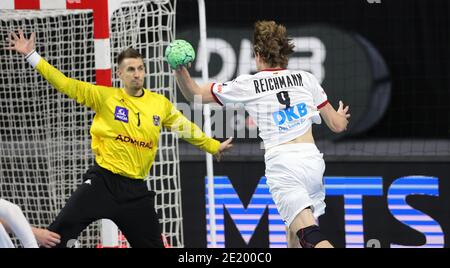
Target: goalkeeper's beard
(136,86)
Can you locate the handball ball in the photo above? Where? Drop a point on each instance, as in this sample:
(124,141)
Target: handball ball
(179,52)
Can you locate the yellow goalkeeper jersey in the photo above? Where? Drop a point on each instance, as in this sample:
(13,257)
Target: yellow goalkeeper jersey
(126,129)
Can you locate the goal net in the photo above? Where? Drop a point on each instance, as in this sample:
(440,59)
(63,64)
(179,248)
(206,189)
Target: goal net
(45,141)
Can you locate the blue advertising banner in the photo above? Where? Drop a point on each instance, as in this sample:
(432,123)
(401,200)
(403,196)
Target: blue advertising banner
(368,204)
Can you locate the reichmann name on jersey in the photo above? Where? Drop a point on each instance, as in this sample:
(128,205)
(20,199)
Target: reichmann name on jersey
(143,144)
(277,82)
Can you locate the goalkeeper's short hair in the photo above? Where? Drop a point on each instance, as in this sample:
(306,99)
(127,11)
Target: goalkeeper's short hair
(128,53)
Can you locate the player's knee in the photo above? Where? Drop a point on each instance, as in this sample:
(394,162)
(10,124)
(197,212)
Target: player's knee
(310,236)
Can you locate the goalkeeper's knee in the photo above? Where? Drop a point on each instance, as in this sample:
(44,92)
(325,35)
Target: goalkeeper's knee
(310,236)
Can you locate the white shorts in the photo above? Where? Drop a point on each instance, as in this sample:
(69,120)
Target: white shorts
(295,178)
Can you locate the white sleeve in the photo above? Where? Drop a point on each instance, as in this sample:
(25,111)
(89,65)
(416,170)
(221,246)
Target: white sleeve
(229,92)
(33,58)
(13,216)
(319,96)
(5,239)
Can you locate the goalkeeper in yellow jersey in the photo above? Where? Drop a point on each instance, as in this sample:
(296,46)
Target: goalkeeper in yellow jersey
(125,133)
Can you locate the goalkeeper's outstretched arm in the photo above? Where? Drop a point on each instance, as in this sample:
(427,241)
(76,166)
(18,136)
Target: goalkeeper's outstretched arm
(187,130)
(84,93)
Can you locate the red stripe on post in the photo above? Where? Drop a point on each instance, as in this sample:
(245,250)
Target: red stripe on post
(101,22)
(27,4)
(82,4)
(103,77)
(100,10)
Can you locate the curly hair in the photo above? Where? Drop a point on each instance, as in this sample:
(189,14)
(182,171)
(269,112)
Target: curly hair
(270,41)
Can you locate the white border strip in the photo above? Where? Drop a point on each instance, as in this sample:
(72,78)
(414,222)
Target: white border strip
(102,54)
(7,4)
(52,4)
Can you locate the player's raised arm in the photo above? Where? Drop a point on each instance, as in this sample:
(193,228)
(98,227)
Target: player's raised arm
(84,93)
(180,54)
(337,121)
(190,88)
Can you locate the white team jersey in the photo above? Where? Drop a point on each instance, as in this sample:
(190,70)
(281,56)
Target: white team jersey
(283,103)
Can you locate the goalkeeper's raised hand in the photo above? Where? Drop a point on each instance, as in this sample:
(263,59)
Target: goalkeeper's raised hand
(224,146)
(20,43)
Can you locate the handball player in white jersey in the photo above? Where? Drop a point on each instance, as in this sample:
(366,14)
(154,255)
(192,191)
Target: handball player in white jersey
(284,104)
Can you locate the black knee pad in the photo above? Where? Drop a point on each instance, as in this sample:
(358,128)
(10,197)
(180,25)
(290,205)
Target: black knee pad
(310,236)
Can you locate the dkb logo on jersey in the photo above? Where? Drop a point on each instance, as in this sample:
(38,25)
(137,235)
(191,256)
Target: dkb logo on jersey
(290,117)
(121,114)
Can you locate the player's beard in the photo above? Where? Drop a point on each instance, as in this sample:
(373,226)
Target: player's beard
(136,85)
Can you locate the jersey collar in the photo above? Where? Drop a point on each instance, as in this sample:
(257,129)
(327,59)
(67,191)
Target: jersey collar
(273,69)
(140,96)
